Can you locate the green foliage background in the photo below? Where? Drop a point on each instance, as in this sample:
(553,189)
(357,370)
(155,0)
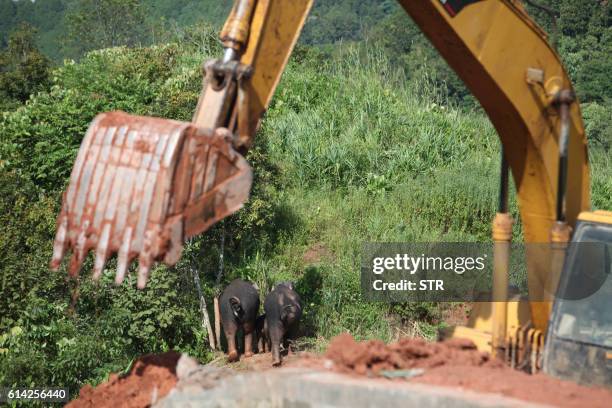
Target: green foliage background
(370,137)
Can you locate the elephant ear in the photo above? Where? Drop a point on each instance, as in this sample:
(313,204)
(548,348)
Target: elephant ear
(288,312)
(287,284)
(236,306)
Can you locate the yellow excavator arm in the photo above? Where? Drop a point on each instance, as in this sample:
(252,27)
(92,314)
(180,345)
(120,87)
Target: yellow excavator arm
(506,62)
(497,50)
(142,186)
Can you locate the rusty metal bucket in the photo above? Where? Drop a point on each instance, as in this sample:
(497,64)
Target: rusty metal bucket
(141,186)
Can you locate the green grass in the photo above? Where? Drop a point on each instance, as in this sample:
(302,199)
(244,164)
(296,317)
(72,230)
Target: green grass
(364,155)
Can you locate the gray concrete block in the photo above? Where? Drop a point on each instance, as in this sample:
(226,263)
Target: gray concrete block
(302,388)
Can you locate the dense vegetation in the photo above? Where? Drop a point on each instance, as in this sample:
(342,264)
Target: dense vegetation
(367,139)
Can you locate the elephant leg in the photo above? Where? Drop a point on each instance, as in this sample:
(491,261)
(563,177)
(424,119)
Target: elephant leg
(248,340)
(276,337)
(230,330)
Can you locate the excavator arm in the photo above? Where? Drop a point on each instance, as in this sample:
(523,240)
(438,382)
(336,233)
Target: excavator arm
(142,186)
(506,62)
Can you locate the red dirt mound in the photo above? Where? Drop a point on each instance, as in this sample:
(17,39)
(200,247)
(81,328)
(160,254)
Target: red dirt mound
(457,363)
(538,388)
(151,378)
(374,355)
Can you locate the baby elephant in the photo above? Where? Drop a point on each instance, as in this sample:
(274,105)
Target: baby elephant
(261,333)
(283,311)
(238,305)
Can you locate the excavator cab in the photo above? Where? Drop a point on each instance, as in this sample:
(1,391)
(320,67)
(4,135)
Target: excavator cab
(581,323)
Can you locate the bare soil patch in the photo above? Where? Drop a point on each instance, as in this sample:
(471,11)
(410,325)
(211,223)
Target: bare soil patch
(457,314)
(457,363)
(262,362)
(316,253)
(151,378)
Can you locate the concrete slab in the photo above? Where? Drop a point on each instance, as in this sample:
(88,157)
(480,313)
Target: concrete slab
(304,388)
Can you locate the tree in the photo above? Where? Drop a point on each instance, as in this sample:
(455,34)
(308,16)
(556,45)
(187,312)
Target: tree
(7,14)
(95,24)
(24,70)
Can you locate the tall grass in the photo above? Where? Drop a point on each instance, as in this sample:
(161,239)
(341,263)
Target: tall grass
(601,179)
(366,155)
(369,122)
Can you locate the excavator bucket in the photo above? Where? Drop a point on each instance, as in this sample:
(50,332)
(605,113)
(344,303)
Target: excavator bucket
(141,186)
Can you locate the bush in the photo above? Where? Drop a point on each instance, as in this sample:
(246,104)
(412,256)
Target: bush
(41,340)
(598,125)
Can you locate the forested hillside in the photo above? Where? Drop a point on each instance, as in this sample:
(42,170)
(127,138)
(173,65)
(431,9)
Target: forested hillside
(580,29)
(370,137)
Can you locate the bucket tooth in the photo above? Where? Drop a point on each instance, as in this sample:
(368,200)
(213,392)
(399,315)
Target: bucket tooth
(80,250)
(123,258)
(60,243)
(101,252)
(144,268)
